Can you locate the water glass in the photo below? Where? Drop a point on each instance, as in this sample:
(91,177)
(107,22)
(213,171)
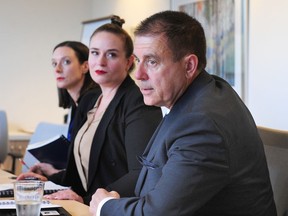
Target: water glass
(28,197)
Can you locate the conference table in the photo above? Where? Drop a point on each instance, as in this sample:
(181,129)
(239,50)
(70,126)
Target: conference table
(73,207)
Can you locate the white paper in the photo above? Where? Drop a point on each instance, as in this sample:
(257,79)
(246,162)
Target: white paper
(48,186)
(10,204)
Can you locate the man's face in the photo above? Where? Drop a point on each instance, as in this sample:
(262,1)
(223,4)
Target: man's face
(161,80)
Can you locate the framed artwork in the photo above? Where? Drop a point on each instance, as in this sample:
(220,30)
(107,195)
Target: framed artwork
(226,29)
(90,26)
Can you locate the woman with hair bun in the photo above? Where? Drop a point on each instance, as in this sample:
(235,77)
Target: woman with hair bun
(118,125)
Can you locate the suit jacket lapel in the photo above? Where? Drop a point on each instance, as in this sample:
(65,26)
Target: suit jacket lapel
(157,139)
(99,137)
(151,141)
(149,154)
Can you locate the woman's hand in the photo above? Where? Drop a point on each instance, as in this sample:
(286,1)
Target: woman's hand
(65,195)
(44,169)
(31,175)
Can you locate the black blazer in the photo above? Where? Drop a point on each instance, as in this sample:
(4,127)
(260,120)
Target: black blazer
(205,159)
(89,94)
(122,135)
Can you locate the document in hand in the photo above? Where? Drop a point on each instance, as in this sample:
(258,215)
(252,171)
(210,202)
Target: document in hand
(53,151)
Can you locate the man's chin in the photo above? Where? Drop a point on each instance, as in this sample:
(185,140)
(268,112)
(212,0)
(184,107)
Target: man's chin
(148,101)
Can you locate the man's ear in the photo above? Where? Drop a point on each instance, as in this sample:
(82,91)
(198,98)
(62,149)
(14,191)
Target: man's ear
(85,67)
(191,66)
(130,62)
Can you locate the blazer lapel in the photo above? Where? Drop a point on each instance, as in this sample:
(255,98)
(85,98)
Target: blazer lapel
(157,140)
(151,141)
(149,153)
(99,137)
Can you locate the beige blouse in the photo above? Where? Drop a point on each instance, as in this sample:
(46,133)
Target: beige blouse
(83,142)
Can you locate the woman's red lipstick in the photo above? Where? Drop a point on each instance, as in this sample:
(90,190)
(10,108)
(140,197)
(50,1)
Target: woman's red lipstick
(100,72)
(60,78)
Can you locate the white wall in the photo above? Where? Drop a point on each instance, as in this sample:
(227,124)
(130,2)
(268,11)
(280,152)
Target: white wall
(30,29)
(132,11)
(268,63)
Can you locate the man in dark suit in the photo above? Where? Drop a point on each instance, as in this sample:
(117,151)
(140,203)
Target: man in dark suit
(206,157)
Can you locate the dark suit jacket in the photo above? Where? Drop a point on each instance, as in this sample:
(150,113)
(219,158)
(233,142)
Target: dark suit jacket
(206,158)
(122,135)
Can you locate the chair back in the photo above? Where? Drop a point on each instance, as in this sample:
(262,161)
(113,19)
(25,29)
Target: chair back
(276,150)
(43,131)
(3,136)
(46,130)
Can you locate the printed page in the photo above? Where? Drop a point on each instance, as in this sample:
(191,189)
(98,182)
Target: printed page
(10,204)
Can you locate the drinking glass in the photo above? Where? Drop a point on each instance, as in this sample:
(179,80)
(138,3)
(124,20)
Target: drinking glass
(28,197)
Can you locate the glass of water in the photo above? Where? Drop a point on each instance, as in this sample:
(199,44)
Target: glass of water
(28,197)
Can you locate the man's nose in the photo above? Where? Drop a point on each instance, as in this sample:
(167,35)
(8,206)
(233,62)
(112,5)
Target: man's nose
(140,72)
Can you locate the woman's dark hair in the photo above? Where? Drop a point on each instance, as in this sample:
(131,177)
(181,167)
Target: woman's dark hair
(115,27)
(82,53)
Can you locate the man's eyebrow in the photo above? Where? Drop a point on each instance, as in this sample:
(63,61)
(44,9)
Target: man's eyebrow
(146,57)
(136,58)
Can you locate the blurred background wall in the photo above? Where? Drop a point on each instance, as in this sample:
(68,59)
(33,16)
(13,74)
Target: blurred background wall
(30,29)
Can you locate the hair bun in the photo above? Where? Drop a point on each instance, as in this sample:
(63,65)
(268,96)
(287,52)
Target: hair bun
(117,20)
